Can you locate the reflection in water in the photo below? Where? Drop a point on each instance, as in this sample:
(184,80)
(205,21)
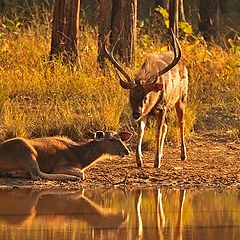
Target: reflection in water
(139,224)
(115,214)
(159,216)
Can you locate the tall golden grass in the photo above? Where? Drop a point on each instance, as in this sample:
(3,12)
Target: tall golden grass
(37,99)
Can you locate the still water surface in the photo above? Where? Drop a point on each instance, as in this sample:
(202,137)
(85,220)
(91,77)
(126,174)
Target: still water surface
(117,214)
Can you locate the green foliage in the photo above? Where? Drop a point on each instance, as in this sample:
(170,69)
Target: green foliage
(145,40)
(164,13)
(186,27)
(10,26)
(234,46)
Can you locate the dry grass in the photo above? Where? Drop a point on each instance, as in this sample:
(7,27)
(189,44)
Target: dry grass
(40,98)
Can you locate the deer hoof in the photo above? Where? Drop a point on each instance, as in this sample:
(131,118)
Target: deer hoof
(183,158)
(82,176)
(35,176)
(157,165)
(139,164)
(139,160)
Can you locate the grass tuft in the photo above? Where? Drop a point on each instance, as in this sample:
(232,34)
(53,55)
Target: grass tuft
(39,98)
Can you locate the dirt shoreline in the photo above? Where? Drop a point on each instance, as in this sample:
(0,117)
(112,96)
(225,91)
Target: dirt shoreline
(213,163)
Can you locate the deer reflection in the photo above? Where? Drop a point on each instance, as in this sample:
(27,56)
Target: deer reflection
(159,215)
(138,202)
(179,227)
(22,206)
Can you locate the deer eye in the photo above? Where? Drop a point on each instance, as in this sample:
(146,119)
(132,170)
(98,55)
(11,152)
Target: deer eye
(145,100)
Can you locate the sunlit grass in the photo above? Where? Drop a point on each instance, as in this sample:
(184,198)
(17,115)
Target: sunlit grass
(39,98)
(214,86)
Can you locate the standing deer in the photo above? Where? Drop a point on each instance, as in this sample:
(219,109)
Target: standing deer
(60,158)
(161,83)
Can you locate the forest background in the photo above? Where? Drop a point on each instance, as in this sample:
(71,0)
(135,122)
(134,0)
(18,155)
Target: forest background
(39,97)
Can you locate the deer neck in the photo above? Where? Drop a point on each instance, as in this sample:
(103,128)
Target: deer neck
(89,153)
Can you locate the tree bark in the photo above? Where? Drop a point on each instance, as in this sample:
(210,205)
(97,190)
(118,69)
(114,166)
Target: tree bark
(173,16)
(181,11)
(124,29)
(123,18)
(65,31)
(209,11)
(104,27)
(162,3)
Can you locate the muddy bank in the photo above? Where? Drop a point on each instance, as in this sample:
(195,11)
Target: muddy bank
(213,162)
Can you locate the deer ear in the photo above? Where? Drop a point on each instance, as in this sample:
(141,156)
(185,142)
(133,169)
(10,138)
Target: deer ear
(125,136)
(99,135)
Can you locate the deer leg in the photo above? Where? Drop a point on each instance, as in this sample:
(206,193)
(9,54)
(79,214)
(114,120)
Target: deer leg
(141,127)
(180,109)
(160,137)
(74,171)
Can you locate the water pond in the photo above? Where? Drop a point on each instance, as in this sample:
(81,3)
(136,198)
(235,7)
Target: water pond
(119,214)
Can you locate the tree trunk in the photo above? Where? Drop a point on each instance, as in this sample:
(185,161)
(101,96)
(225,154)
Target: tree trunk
(65,31)
(122,15)
(104,27)
(181,11)
(124,29)
(173,16)
(223,6)
(162,3)
(209,19)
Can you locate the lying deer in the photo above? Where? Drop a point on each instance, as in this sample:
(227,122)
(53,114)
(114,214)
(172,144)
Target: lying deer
(161,83)
(60,158)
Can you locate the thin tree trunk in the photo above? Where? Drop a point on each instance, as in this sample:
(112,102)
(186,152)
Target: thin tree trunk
(173,16)
(117,23)
(209,19)
(104,27)
(181,11)
(131,32)
(65,31)
(162,3)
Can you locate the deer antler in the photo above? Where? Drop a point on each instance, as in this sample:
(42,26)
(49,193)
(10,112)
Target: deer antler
(153,79)
(109,53)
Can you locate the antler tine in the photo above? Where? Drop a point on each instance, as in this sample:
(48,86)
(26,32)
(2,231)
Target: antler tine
(111,58)
(110,52)
(176,44)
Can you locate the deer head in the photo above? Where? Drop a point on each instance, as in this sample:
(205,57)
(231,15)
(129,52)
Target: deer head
(113,142)
(145,88)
